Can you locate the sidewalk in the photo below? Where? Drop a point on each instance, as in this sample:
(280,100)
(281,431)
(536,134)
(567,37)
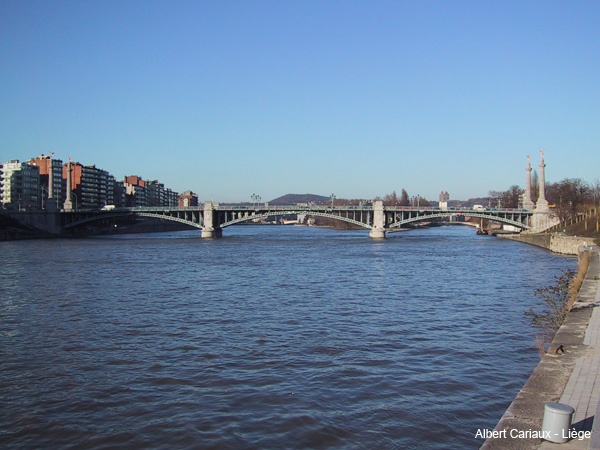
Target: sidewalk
(571,377)
(582,391)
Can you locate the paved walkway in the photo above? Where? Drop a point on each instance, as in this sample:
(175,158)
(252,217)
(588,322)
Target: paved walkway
(572,378)
(582,391)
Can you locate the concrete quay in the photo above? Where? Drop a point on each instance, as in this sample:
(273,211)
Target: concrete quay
(569,373)
(555,242)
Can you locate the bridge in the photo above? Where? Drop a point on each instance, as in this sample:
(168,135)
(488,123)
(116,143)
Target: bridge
(212,217)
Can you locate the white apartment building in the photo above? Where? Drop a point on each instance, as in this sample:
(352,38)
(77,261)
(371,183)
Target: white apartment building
(19,185)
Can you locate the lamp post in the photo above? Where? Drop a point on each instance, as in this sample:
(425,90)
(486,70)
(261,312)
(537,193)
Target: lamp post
(44,189)
(415,200)
(73,195)
(571,211)
(255,200)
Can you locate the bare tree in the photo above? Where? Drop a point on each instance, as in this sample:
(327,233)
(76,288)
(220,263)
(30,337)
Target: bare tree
(404,200)
(568,195)
(595,192)
(390,199)
(513,195)
(506,199)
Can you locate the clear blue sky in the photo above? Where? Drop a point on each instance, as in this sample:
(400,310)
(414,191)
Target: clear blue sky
(356,98)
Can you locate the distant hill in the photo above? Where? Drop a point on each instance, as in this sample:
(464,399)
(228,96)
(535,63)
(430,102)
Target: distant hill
(292,199)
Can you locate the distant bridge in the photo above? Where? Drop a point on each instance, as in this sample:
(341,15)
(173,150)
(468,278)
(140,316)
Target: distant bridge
(212,218)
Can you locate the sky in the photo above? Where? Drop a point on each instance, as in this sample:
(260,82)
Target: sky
(354,98)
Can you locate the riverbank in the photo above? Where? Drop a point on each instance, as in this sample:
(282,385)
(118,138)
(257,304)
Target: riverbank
(556,243)
(13,231)
(569,373)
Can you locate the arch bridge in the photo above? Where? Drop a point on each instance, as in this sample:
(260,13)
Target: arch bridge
(212,217)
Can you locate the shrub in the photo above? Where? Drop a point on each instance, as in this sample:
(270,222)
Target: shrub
(556,297)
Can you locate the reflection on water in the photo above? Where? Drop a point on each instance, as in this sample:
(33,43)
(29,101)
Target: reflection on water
(272,337)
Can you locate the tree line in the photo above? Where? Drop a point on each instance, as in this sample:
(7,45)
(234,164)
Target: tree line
(566,197)
(404,199)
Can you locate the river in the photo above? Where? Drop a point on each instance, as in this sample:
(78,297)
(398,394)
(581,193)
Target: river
(270,338)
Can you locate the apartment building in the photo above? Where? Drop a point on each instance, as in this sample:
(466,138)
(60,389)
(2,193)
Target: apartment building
(188,198)
(19,185)
(51,185)
(91,187)
(155,193)
(172,197)
(135,191)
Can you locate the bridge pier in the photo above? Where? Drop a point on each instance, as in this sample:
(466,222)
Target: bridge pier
(543,220)
(211,233)
(378,228)
(377,233)
(211,228)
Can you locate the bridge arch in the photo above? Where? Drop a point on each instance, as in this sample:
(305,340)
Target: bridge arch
(283,213)
(195,217)
(424,217)
(171,218)
(130,213)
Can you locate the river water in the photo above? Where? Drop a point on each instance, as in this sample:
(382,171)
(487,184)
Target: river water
(270,338)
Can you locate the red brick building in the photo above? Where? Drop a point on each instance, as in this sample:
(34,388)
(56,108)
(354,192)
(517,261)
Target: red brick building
(188,198)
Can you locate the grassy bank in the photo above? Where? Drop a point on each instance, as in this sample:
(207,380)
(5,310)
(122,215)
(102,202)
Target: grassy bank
(588,227)
(577,281)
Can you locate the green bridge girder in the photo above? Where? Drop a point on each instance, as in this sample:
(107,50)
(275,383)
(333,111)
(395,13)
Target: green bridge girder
(284,213)
(362,216)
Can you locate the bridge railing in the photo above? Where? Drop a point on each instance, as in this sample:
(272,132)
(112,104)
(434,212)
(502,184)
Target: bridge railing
(295,208)
(454,209)
(161,208)
(322,208)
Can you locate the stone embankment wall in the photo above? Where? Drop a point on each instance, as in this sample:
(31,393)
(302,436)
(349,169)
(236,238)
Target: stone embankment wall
(29,224)
(557,243)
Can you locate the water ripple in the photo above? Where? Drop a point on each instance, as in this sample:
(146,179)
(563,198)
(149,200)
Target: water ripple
(273,337)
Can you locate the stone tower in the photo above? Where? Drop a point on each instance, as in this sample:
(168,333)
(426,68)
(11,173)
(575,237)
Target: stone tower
(542,203)
(68,205)
(527,203)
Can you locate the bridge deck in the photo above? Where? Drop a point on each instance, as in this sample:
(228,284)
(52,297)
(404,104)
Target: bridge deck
(219,216)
